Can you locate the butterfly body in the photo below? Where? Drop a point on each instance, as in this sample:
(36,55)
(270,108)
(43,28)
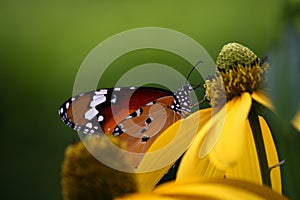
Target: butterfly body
(137,115)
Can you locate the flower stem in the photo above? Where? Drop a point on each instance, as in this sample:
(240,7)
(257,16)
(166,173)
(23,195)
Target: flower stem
(260,147)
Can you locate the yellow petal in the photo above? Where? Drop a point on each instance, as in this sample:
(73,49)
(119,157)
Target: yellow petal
(191,166)
(296,121)
(144,196)
(208,189)
(261,97)
(271,154)
(168,147)
(216,189)
(227,149)
(146,181)
(247,168)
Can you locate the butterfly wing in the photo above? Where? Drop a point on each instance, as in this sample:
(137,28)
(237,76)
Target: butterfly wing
(135,115)
(102,110)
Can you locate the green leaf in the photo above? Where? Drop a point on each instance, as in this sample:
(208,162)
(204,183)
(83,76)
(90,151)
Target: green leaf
(284,76)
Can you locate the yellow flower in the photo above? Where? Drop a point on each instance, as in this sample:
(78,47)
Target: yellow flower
(226,145)
(207,189)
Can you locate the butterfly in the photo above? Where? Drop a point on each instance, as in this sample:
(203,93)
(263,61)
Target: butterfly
(136,115)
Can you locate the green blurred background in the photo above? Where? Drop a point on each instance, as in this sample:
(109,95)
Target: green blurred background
(43,44)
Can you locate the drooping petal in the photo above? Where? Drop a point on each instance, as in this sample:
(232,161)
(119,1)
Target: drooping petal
(168,147)
(227,149)
(191,166)
(261,97)
(247,168)
(195,163)
(271,154)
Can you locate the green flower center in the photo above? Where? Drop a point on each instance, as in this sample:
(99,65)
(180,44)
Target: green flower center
(238,70)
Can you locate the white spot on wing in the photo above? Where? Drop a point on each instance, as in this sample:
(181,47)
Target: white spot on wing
(100,118)
(67,105)
(89,125)
(150,103)
(138,112)
(117,89)
(90,113)
(98,96)
(98,101)
(101,92)
(114,99)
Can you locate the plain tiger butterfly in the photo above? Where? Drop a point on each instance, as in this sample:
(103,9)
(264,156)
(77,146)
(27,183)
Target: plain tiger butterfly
(137,115)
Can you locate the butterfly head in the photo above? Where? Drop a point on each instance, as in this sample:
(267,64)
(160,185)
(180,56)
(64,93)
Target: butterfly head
(182,102)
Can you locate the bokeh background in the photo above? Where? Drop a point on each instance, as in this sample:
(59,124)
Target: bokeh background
(43,44)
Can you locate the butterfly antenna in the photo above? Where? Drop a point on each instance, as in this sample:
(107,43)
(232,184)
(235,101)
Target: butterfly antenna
(199,86)
(199,102)
(194,67)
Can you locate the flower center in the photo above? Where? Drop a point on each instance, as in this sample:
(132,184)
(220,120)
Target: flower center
(238,70)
